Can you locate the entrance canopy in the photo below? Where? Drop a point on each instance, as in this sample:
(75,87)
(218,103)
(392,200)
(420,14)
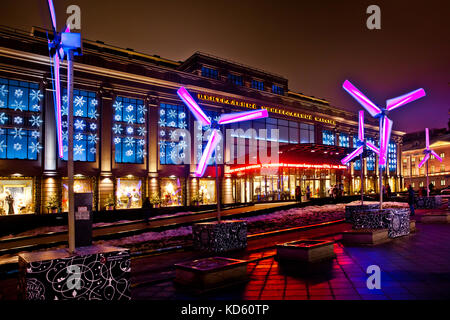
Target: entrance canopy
(303,156)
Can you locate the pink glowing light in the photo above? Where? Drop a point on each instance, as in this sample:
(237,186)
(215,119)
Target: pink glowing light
(52,14)
(193,106)
(352,155)
(361,125)
(362,99)
(243,116)
(373,147)
(56,64)
(394,103)
(428,152)
(213,141)
(224,119)
(384,143)
(425,159)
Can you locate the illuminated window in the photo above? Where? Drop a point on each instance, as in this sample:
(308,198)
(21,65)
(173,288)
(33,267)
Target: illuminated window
(258,85)
(392,156)
(172,143)
(432,169)
(344,140)
(20,119)
(235,79)
(129,130)
(210,73)
(442,155)
(328,137)
(85,125)
(421,184)
(277,89)
(442,182)
(442,167)
(306,133)
(371,157)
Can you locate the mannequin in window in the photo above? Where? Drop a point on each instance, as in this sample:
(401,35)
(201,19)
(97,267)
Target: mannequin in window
(10,201)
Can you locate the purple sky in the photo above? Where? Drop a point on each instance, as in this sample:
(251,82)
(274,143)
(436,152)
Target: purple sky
(315,44)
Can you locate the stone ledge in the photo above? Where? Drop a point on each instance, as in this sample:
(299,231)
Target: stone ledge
(365,237)
(435,218)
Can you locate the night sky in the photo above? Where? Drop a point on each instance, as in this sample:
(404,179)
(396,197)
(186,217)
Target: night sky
(314,44)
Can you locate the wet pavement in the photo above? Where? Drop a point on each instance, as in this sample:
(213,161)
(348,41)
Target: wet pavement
(412,267)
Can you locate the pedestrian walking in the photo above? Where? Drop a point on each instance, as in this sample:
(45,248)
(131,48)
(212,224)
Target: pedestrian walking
(411,199)
(147,206)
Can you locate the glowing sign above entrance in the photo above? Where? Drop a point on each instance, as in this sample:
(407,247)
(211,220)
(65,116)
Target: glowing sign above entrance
(248,105)
(288,165)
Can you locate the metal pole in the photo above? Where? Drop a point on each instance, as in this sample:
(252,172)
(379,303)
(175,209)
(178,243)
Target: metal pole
(381,168)
(428,183)
(71,213)
(217,192)
(362,178)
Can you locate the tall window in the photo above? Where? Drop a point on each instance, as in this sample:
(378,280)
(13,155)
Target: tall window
(235,79)
(392,156)
(277,89)
(258,85)
(172,117)
(357,163)
(370,160)
(210,73)
(85,124)
(344,140)
(306,133)
(328,137)
(20,119)
(129,130)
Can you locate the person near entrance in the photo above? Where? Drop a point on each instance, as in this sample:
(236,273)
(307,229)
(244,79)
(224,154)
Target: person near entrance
(411,199)
(298,194)
(308,192)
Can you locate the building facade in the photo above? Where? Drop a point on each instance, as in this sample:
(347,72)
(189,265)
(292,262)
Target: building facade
(126,113)
(438,172)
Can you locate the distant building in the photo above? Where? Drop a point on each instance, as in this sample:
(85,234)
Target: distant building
(412,154)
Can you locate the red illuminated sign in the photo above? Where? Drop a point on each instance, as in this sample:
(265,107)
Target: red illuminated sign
(288,165)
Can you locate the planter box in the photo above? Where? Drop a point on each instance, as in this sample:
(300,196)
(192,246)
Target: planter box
(217,237)
(210,274)
(350,210)
(92,273)
(396,220)
(309,251)
(435,218)
(365,237)
(431,202)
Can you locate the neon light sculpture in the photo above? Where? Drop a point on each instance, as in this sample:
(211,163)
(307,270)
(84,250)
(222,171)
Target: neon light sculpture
(64,44)
(428,152)
(385,123)
(363,145)
(215,137)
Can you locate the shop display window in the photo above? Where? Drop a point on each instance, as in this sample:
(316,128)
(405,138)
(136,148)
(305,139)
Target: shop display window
(16,196)
(171,192)
(128,193)
(79,186)
(207,191)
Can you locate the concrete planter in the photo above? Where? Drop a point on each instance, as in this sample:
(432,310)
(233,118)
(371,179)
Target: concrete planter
(308,251)
(217,237)
(350,210)
(93,273)
(396,220)
(210,274)
(365,237)
(431,202)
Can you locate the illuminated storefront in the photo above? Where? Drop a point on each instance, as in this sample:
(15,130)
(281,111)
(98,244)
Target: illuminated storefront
(16,196)
(207,191)
(80,185)
(172,192)
(128,193)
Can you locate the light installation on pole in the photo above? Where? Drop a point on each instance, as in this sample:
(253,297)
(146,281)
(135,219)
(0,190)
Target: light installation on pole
(385,123)
(64,44)
(215,136)
(428,153)
(362,146)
